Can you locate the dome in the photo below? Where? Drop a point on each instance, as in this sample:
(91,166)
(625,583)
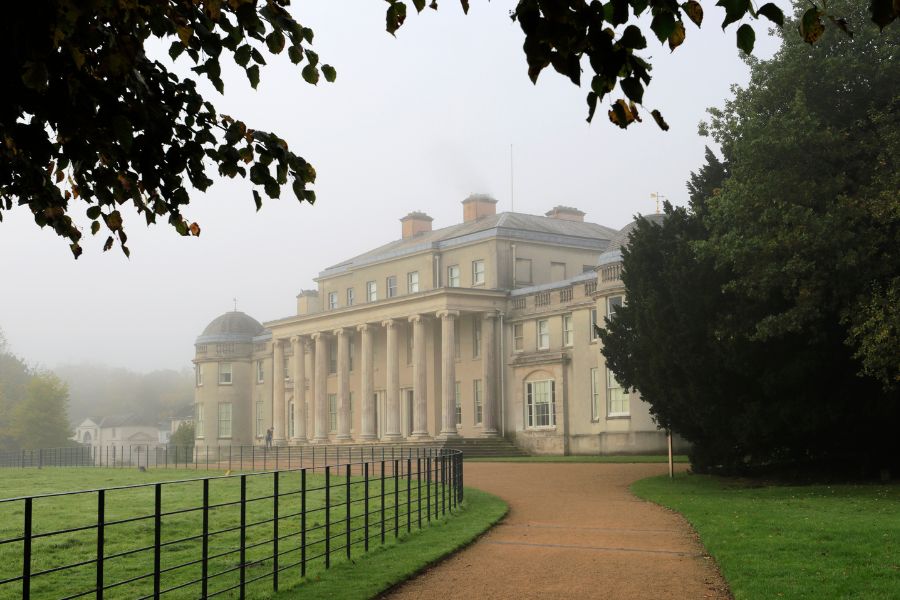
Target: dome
(613,252)
(233,326)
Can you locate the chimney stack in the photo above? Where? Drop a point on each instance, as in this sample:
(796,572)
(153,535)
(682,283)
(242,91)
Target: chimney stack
(565,213)
(415,223)
(477,206)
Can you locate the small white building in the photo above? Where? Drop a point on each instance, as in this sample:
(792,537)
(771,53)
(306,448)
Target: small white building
(119,438)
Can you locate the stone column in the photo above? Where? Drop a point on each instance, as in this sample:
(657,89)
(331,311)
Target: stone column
(448,373)
(278,392)
(367,384)
(392,416)
(488,375)
(420,379)
(343,391)
(299,375)
(321,383)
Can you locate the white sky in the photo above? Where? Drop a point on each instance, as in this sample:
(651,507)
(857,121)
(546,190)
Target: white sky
(412,123)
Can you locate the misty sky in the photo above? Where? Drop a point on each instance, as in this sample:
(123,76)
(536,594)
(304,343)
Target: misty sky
(412,123)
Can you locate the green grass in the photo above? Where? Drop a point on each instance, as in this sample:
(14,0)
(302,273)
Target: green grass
(804,542)
(53,513)
(617,458)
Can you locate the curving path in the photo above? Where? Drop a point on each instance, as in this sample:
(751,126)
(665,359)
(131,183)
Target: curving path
(573,531)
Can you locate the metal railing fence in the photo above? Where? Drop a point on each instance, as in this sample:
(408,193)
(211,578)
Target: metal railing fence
(218,536)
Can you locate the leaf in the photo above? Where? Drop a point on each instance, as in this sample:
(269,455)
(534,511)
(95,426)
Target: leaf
(811,27)
(257,199)
(884,12)
(35,75)
(253,75)
(657,116)
(633,38)
(663,24)
(195,230)
(396,15)
(329,73)
(633,89)
(108,244)
(592,105)
(275,42)
(310,74)
(841,23)
(176,49)
(676,38)
(184,34)
(242,55)
(772,13)
(95,227)
(419,4)
(295,53)
(746,37)
(734,10)
(465,6)
(621,114)
(694,11)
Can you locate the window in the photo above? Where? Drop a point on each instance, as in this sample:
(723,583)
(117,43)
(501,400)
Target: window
(593,324)
(199,429)
(568,330)
(260,372)
(612,305)
(541,403)
(391,286)
(412,282)
(371,291)
(198,375)
(332,412)
(351,296)
(351,350)
(332,357)
(350,400)
(453,276)
(224,373)
(476,336)
(587,268)
(456,338)
(479,401)
(616,397)
(290,419)
(225,420)
(458,406)
(523,270)
(477,272)
(543,334)
(332,300)
(286,367)
(518,337)
(409,344)
(259,419)
(595,394)
(557,271)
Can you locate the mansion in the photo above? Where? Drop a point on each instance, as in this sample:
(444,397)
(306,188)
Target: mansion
(480,329)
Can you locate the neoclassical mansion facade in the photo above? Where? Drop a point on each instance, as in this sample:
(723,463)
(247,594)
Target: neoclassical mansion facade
(480,329)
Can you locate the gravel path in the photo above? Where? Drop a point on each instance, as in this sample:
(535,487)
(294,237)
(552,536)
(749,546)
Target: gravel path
(573,531)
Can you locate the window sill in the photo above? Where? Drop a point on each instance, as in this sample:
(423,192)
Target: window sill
(548,428)
(617,417)
(229,383)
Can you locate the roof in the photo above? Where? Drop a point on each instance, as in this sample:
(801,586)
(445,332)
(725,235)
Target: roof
(506,224)
(233,326)
(128,420)
(613,252)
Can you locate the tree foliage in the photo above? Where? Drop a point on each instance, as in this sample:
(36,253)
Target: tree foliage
(183,436)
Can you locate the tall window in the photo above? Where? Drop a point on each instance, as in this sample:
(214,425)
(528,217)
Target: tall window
(568,330)
(541,403)
(543,334)
(350,400)
(476,336)
(456,338)
(332,412)
(259,419)
(199,430)
(409,344)
(351,297)
(391,286)
(225,373)
(453,276)
(371,291)
(290,419)
(225,419)
(286,367)
(518,337)
(198,374)
(351,350)
(412,282)
(260,372)
(332,300)
(458,406)
(616,397)
(593,324)
(477,272)
(479,401)
(595,394)
(612,305)
(332,357)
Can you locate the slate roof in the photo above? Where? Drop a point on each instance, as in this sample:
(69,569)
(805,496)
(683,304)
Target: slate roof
(613,252)
(233,326)
(127,420)
(519,225)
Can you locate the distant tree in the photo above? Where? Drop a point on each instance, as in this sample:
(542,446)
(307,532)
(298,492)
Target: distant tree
(183,436)
(40,420)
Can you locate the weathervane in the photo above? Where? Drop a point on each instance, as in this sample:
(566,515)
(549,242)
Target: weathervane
(657,196)
(235,299)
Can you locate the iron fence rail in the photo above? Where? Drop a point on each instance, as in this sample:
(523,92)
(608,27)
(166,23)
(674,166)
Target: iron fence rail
(221,535)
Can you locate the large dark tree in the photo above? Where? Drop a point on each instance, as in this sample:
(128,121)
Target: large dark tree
(89,122)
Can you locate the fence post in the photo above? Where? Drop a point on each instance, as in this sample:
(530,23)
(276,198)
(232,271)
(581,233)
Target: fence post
(382,499)
(229,457)
(26,552)
(366,504)
(101,518)
(275,531)
(348,511)
(327,516)
(408,494)
(428,488)
(396,498)
(303,523)
(204,568)
(243,583)
(157,539)
(419,488)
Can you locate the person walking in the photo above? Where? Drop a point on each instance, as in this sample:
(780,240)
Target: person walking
(269,432)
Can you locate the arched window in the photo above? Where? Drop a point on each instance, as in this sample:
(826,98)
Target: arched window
(87,437)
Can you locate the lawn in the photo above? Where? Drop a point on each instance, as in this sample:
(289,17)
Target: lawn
(612,458)
(124,541)
(804,542)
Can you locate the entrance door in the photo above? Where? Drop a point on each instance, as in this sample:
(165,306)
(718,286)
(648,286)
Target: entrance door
(407,407)
(379,410)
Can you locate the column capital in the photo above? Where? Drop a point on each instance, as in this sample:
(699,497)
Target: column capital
(447,314)
(389,323)
(318,335)
(492,314)
(339,332)
(363,327)
(417,318)
(295,339)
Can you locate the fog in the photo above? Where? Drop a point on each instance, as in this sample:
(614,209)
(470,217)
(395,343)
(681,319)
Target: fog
(415,122)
